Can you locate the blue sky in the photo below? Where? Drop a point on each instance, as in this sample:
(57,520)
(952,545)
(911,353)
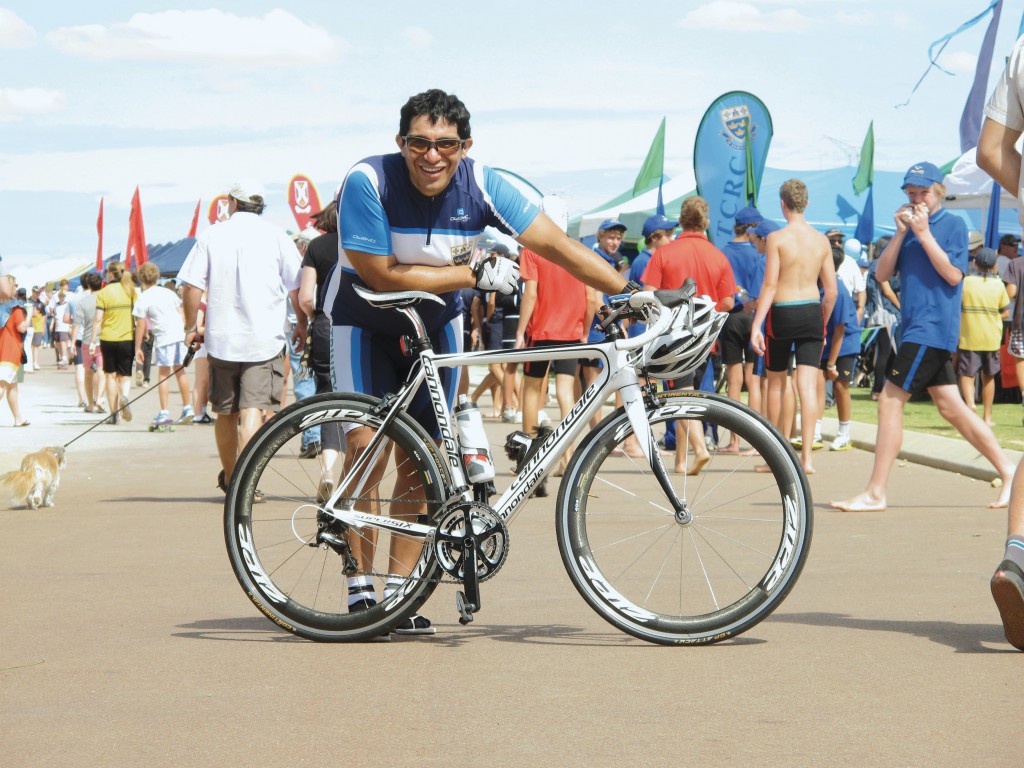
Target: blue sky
(183,98)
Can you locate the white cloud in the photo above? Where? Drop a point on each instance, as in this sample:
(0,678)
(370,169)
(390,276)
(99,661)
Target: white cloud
(14,32)
(730,15)
(855,19)
(277,38)
(16,103)
(959,62)
(418,38)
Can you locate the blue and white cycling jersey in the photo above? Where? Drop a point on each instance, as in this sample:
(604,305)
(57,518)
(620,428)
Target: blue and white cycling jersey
(381,212)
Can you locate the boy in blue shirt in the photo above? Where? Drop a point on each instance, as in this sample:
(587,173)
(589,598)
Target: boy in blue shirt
(929,251)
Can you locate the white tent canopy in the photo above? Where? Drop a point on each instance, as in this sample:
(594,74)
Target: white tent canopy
(967,186)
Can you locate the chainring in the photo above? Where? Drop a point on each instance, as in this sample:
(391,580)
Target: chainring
(489,536)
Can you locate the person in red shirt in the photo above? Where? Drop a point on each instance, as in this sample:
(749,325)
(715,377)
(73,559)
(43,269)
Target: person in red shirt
(556,309)
(692,255)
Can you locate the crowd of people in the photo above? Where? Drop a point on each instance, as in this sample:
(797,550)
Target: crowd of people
(252,298)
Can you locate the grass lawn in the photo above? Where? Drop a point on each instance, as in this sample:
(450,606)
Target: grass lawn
(924,417)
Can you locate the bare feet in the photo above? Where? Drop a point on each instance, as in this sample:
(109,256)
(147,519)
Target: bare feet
(730,448)
(749,452)
(863,502)
(699,462)
(763,469)
(809,469)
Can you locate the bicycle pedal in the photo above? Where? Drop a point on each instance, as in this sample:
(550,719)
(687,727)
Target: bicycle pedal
(465,609)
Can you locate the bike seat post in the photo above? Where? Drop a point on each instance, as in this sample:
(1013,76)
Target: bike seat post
(413,317)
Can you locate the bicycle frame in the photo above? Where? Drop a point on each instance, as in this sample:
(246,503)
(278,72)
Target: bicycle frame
(618,374)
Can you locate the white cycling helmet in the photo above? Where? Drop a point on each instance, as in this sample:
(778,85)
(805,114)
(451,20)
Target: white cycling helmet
(687,343)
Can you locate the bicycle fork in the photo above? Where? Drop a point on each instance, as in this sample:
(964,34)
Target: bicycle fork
(636,411)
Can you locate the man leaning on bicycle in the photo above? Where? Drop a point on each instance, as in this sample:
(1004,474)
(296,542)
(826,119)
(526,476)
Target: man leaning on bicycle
(411,220)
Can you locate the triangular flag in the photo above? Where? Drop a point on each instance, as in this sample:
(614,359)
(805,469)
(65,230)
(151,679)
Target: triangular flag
(652,172)
(974,109)
(866,226)
(195,220)
(136,234)
(865,175)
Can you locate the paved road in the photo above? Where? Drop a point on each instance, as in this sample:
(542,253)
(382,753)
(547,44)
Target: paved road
(126,640)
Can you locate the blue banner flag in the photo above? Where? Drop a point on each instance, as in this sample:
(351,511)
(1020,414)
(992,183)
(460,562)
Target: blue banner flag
(866,224)
(722,164)
(992,221)
(974,109)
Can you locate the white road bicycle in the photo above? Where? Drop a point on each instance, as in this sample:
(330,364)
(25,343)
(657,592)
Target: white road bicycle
(668,558)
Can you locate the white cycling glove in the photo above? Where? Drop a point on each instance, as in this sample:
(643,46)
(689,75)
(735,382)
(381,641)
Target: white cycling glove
(496,273)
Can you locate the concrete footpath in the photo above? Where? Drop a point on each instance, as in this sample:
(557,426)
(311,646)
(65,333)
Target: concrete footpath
(127,641)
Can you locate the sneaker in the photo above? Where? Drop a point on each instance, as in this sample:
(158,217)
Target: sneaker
(126,411)
(1008,591)
(841,443)
(138,378)
(415,625)
(508,415)
(187,415)
(543,418)
(203,418)
(311,451)
(163,417)
(798,442)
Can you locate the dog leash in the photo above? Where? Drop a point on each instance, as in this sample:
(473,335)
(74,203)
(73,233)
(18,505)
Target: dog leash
(188,359)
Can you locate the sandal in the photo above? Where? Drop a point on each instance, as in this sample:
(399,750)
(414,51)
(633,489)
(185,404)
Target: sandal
(222,482)
(22,423)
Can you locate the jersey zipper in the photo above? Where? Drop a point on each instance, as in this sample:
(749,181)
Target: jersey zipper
(430,218)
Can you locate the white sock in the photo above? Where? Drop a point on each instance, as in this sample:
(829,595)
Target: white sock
(360,588)
(817,429)
(844,429)
(393,584)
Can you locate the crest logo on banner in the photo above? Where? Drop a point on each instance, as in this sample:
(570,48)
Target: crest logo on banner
(218,209)
(301,191)
(728,158)
(303,200)
(737,125)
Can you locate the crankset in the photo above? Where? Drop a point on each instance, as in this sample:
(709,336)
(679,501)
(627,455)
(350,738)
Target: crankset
(471,544)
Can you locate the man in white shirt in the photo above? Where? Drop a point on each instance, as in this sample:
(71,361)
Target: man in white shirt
(248,269)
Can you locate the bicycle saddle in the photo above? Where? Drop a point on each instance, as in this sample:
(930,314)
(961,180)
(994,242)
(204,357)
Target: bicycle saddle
(395,299)
(671,299)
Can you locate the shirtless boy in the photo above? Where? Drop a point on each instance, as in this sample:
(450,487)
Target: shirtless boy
(797,257)
(929,251)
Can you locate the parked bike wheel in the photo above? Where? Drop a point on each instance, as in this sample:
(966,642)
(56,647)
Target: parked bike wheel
(272,544)
(685,582)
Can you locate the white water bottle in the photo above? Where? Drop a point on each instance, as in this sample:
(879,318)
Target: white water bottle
(476,458)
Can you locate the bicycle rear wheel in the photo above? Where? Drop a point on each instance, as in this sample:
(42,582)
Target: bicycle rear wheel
(299,584)
(695,581)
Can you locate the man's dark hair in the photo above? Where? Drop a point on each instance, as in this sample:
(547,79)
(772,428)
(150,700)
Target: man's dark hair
(438,106)
(256,206)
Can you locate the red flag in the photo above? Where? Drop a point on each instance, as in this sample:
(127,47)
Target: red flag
(218,209)
(195,219)
(99,246)
(303,200)
(136,235)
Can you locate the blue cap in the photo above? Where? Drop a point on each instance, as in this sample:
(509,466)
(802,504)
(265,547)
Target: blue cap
(863,262)
(986,258)
(611,224)
(766,227)
(922,175)
(749,215)
(656,222)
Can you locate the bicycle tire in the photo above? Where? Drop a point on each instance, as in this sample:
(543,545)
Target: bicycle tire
(685,583)
(302,588)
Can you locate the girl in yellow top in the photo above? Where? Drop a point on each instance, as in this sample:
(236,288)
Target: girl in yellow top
(113,332)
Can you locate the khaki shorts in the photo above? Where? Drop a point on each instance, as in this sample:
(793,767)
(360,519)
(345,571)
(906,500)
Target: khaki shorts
(234,386)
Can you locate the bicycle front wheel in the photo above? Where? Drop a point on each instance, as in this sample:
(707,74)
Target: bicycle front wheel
(290,555)
(685,579)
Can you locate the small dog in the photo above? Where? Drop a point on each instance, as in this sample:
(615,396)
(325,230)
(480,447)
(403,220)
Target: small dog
(35,484)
